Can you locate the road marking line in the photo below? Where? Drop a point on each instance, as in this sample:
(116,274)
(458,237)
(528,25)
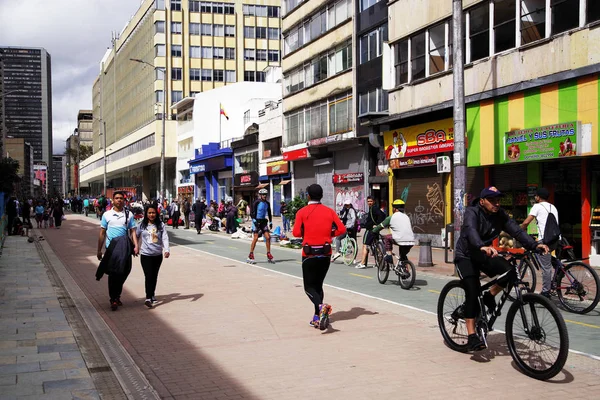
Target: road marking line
(582,324)
(232,247)
(368,296)
(361,276)
(434,291)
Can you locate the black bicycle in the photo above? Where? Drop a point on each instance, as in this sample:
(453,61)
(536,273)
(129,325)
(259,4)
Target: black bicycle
(404,269)
(536,333)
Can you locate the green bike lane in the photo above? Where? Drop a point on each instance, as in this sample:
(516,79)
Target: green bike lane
(583,329)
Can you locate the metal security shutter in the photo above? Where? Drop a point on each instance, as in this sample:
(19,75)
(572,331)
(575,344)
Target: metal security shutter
(423,191)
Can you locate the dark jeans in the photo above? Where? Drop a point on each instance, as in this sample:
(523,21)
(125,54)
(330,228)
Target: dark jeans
(9,224)
(151,266)
(230,223)
(175,219)
(115,284)
(314,270)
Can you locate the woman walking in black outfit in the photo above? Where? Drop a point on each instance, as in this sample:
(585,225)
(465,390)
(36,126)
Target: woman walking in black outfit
(154,240)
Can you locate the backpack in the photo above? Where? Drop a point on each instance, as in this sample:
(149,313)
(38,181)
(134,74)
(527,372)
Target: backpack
(551,230)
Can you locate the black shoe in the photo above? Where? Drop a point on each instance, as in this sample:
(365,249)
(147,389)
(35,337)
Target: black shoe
(148,303)
(119,302)
(546,294)
(114,305)
(490,302)
(475,343)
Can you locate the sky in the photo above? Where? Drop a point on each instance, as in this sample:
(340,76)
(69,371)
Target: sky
(76,33)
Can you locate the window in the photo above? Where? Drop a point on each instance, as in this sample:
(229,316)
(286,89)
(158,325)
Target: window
(246,162)
(401,62)
(229,9)
(593,11)
(217,8)
(219,53)
(340,115)
(195,52)
(533,20)
(248,9)
(176,95)
(176,50)
(274,33)
(504,25)
(261,32)
(159,4)
(261,55)
(274,55)
(219,30)
(194,28)
(417,56)
(272,147)
(246,117)
(437,48)
(260,11)
(249,54)
(218,76)
(317,26)
(194,74)
(273,11)
(229,76)
(176,74)
(249,32)
(158,96)
(565,15)
(194,6)
(479,32)
(160,50)
(207,52)
(371,44)
(206,7)
(175,5)
(289,5)
(175,27)
(206,29)
(206,75)
(249,76)
(229,53)
(159,27)
(375,100)
(261,76)
(364,4)
(159,74)
(229,30)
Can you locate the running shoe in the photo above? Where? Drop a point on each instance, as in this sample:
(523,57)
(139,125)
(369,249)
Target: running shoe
(154,301)
(324,312)
(335,256)
(475,343)
(315,322)
(360,266)
(114,305)
(148,303)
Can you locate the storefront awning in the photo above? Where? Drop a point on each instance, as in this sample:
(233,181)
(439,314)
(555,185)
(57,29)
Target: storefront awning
(285,182)
(262,185)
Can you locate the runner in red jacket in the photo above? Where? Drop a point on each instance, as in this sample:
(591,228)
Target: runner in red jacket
(318,225)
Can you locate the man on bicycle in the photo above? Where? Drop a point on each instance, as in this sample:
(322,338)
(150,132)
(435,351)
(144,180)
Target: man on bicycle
(348,217)
(402,233)
(374,216)
(483,222)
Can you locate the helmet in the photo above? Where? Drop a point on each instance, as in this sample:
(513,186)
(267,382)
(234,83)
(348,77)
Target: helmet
(398,203)
(263,191)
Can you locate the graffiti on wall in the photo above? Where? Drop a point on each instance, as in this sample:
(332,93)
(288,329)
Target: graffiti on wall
(426,211)
(353,193)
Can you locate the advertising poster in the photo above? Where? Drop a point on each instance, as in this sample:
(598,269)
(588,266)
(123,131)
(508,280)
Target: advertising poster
(542,143)
(354,193)
(418,140)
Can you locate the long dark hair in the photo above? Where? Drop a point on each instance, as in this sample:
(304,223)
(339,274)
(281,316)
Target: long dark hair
(157,221)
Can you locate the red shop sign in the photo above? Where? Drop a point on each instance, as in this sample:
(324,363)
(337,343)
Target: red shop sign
(245,178)
(356,177)
(296,154)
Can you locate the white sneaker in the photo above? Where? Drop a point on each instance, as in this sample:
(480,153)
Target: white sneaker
(360,266)
(335,256)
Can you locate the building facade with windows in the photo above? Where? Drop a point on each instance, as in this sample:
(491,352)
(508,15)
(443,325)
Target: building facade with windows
(59,166)
(18,149)
(319,99)
(532,110)
(189,47)
(83,136)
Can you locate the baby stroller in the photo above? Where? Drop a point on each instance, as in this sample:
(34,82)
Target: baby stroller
(214,225)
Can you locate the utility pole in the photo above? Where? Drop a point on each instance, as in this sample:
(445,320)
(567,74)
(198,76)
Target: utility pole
(460,154)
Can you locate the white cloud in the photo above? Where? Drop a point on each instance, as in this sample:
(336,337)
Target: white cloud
(76,33)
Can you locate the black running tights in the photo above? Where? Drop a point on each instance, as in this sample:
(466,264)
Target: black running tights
(151,266)
(314,270)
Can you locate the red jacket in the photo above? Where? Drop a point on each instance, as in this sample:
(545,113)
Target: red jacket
(317,221)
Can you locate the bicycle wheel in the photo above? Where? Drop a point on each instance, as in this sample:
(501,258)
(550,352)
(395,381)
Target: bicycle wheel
(577,287)
(537,336)
(378,253)
(526,273)
(351,250)
(450,314)
(408,274)
(383,271)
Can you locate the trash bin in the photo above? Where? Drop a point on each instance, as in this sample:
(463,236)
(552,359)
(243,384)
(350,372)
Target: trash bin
(425,258)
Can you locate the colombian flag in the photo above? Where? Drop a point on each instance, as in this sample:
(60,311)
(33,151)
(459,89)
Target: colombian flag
(223,111)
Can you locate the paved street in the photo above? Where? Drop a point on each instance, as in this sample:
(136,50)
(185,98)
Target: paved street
(225,329)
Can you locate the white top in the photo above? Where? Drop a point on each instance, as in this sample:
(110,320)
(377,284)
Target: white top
(401,228)
(540,211)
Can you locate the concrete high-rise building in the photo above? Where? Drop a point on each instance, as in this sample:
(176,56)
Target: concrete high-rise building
(26,94)
(59,166)
(77,149)
(200,46)
(18,149)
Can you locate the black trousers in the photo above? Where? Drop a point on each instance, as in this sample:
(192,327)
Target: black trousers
(198,222)
(314,270)
(230,223)
(115,284)
(175,219)
(187,220)
(151,266)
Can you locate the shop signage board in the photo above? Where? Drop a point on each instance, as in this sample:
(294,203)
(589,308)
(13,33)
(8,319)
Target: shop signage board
(278,168)
(357,177)
(194,169)
(185,189)
(421,161)
(296,154)
(542,143)
(246,179)
(429,138)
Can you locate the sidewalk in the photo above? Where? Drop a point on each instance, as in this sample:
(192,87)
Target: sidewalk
(227,330)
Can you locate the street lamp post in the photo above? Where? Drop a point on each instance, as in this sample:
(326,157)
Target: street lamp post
(164,124)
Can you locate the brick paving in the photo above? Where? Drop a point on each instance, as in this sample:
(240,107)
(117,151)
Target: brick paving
(227,330)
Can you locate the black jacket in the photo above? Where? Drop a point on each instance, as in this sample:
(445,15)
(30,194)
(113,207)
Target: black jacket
(117,258)
(480,229)
(374,217)
(199,208)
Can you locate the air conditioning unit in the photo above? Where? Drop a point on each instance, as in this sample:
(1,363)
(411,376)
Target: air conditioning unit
(444,165)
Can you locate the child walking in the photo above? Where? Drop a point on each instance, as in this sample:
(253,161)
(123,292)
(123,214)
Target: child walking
(154,241)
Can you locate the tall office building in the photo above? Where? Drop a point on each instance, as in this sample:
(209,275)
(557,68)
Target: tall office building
(200,46)
(26,94)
